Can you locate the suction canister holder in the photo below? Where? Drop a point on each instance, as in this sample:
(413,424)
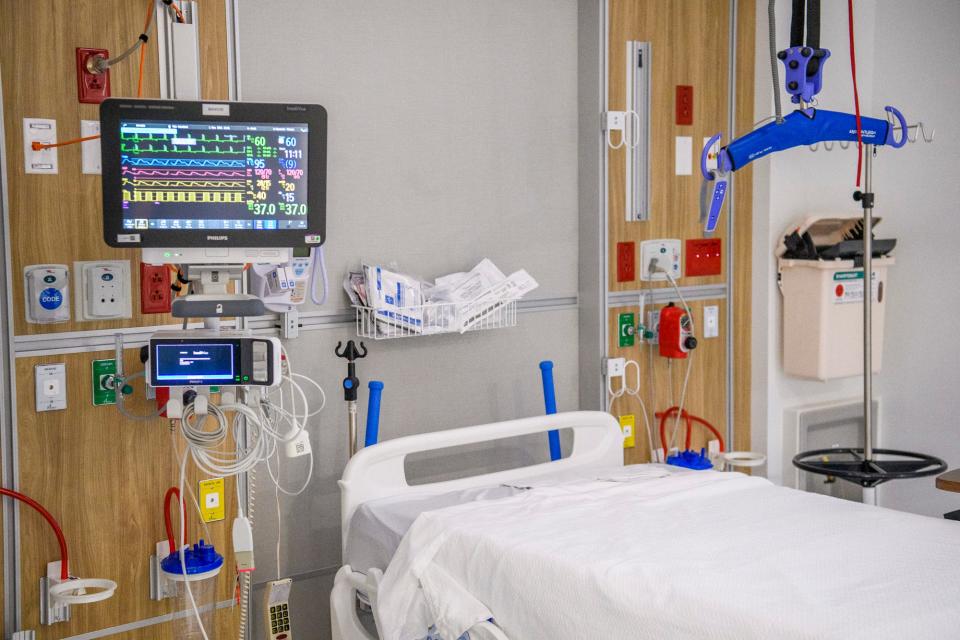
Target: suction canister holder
(351,384)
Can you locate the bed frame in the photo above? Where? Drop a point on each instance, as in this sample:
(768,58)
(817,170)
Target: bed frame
(378,472)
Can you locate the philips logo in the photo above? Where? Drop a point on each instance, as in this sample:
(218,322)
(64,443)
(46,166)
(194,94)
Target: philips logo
(219,238)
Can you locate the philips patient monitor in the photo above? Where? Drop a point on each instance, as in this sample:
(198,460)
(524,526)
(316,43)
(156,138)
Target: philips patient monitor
(213,182)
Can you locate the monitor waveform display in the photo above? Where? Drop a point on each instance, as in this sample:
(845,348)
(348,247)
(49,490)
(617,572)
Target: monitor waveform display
(238,174)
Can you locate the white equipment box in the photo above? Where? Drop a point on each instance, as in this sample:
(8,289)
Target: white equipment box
(823,306)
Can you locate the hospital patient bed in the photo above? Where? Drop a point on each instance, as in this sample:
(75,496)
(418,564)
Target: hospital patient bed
(587,548)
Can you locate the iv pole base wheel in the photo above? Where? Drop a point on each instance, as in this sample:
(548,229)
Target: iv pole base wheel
(849,464)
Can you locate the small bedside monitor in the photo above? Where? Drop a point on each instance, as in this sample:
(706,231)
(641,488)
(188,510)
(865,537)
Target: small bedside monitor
(217,179)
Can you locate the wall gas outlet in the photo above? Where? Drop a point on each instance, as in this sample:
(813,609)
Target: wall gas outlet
(51,386)
(684,104)
(92,88)
(704,257)
(103,288)
(667,254)
(46,293)
(155,293)
(626,262)
(102,382)
(627,329)
(628,424)
(44,131)
(212,503)
(653,325)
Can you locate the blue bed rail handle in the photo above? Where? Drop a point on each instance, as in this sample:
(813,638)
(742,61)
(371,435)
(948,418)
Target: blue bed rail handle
(372,434)
(550,405)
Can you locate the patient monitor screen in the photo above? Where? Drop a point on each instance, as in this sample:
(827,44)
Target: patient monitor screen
(178,364)
(180,175)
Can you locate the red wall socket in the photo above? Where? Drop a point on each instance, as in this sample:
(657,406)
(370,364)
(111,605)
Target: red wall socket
(625,261)
(704,257)
(684,104)
(92,88)
(155,294)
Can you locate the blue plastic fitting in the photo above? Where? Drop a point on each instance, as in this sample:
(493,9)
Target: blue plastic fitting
(200,558)
(372,434)
(550,406)
(691,460)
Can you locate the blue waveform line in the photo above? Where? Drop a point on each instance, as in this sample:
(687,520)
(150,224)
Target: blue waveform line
(180,162)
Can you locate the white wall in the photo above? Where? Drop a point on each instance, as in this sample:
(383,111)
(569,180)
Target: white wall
(919,194)
(906,58)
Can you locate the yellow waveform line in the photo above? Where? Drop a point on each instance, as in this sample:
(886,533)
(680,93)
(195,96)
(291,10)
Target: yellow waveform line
(150,195)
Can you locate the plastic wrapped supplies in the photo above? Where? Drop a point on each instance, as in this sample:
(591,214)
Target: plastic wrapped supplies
(393,304)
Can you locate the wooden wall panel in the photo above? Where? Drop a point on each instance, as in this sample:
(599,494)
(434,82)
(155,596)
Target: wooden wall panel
(743,229)
(103,477)
(688,47)
(663,381)
(40,81)
(689,42)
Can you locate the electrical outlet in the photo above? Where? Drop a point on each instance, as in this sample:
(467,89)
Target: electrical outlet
(626,262)
(92,88)
(704,257)
(684,104)
(155,293)
(103,289)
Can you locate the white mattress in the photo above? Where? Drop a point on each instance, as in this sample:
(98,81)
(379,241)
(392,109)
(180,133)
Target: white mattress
(698,555)
(378,526)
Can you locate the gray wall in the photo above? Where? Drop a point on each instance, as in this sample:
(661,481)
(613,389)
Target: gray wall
(453,137)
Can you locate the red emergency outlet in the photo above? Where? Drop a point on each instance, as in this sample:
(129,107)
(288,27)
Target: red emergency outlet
(92,88)
(626,262)
(684,104)
(704,257)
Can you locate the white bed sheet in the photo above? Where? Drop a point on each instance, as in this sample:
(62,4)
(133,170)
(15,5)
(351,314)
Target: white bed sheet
(698,555)
(378,526)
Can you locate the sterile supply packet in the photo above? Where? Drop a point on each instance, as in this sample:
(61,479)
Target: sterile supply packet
(353,284)
(396,298)
(454,288)
(517,285)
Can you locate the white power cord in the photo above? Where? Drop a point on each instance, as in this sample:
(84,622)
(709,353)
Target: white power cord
(272,421)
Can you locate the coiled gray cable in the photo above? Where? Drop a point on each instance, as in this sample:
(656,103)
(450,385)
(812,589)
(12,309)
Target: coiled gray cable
(774,72)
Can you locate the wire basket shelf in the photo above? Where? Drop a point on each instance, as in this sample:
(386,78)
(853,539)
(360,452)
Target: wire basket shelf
(434,319)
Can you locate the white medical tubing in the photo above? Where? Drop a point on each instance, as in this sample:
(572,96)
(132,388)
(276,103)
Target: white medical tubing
(319,262)
(262,424)
(686,376)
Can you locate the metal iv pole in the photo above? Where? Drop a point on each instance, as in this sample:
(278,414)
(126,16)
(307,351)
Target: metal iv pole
(869,493)
(862,466)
